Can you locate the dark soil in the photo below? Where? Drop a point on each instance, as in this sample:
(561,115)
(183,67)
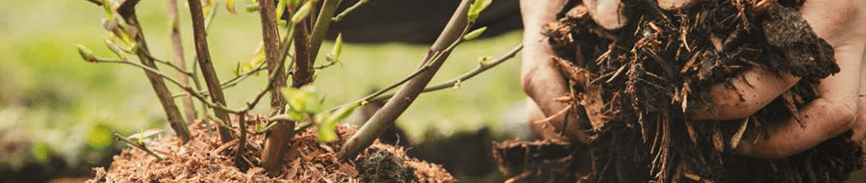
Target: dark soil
(383,166)
(633,84)
(205,159)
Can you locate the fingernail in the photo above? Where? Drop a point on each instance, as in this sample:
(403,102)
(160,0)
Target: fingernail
(608,14)
(673,4)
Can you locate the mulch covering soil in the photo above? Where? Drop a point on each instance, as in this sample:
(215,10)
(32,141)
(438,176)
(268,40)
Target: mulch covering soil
(205,159)
(630,87)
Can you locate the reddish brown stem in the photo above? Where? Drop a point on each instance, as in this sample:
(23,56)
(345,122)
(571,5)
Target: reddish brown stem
(177,53)
(206,65)
(277,141)
(385,117)
(127,11)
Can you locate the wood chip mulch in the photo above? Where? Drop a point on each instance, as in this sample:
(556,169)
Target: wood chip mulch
(205,159)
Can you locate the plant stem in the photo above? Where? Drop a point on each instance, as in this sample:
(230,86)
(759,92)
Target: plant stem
(127,11)
(348,10)
(271,40)
(207,69)
(466,76)
(137,145)
(230,83)
(384,118)
(179,63)
(321,28)
(242,143)
(278,139)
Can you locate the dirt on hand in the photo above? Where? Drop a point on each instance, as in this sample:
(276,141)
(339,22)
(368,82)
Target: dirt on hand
(631,87)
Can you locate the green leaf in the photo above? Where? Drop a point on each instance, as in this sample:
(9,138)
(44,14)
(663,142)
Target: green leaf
(100,137)
(288,116)
(208,6)
(338,47)
(252,8)
(343,112)
(281,8)
(302,12)
(295,115)
(327,130)
(476,8)
(295,3)
(474,34)
(295,98)
(145,134)
(230,5)
(106,5)
(86,53)
(40,151)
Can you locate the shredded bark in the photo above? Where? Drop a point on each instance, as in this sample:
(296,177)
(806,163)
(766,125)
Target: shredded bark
(205,159)
(633,86)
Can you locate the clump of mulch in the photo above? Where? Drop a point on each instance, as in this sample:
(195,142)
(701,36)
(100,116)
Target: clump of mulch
(631,88)
(205,159)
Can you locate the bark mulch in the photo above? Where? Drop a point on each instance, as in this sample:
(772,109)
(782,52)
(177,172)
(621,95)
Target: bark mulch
(205,159)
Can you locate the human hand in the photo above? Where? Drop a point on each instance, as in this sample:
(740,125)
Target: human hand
(843,25)
(541,79)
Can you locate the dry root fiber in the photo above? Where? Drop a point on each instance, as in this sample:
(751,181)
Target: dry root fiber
(205,159)
(632,86)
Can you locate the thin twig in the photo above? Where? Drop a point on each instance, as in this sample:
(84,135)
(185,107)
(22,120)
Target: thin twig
(127,11)
(384,118)
(242,144)
(172,65)
(179,63)
(321,27)
(462,78)
(348,10)
(231,82)
(137,145)
(172,80)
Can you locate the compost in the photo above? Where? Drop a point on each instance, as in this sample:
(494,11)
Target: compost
(631,86)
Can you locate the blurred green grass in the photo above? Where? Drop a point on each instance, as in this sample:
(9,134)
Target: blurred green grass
(49,95)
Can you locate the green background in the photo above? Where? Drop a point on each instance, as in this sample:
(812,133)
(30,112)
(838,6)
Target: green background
(63,106)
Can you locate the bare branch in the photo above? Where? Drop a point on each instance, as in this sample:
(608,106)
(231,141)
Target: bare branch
(348,10)
(137,145)
(207,69)
(271,40)
(276,143)
(466,76)
(384,118)
(127,11)
(179,63)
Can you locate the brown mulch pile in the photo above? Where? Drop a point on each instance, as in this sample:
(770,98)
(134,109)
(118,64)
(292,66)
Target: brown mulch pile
(205,159)
(631,88)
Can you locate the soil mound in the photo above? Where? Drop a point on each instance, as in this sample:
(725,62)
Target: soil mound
(205,159)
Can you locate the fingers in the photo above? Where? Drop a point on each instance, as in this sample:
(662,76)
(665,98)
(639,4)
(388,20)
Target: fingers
(609,13)
(860,122)
(673,4)
(841,23)
(543,130)
(606,13)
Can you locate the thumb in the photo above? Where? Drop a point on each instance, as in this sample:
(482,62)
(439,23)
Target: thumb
(673,4)
(606,13)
